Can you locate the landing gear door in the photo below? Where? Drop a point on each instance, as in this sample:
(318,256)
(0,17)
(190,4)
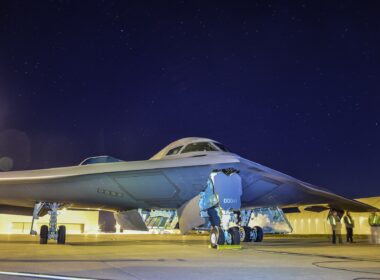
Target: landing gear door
(188,215)
(223,192)
(229,190)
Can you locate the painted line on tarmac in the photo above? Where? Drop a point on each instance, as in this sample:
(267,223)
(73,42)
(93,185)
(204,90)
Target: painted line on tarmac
(42,276)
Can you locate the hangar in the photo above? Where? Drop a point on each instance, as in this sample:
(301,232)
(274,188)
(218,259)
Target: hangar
(307,222)
(76,222)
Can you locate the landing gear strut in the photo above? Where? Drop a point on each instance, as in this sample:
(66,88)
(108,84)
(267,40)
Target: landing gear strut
(218,203)
(52,231)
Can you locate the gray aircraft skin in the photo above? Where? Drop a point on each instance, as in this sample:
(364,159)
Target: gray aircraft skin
(168,180)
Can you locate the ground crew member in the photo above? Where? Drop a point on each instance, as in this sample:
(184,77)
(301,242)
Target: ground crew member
(349,223)
(374,222)
(336,226)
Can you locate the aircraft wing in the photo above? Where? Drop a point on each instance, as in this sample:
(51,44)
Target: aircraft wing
(112,186)
(167,184)
(265,187)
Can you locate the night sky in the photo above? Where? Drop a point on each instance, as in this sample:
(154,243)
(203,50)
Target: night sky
(294,86)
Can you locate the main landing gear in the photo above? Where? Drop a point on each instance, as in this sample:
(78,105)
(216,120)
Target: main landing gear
(52,231)
(222,230)
(220,203)
(247,233)
(230,229)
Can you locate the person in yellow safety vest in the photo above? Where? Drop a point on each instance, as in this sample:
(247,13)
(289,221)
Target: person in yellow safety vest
(350,224)
(336,226)
(374,222)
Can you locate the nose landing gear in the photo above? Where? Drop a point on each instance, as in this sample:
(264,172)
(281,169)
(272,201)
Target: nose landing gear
(44,234)
(51,231)
(61,238)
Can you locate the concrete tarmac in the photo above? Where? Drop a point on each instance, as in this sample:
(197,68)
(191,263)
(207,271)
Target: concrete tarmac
(112,256)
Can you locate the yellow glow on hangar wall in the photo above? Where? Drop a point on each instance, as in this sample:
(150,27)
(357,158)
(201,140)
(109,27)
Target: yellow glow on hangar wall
(75,221)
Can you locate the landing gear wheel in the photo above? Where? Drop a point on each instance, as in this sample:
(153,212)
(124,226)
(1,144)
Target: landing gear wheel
(235,235)
(61,235)
(216,237)
(44,231)
(260,234)
(245,234)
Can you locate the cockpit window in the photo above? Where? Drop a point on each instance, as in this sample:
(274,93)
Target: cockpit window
(222,147)
(174,151)
(199,147)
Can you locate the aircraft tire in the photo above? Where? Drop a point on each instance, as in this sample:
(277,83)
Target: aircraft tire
(61,235)
(245,234)
(235,235)
(260,234)
(216,237)
(44,232)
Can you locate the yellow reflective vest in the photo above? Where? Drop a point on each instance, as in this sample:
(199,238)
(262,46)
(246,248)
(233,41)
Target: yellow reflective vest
(374,220)
(348,221)
(332,220)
